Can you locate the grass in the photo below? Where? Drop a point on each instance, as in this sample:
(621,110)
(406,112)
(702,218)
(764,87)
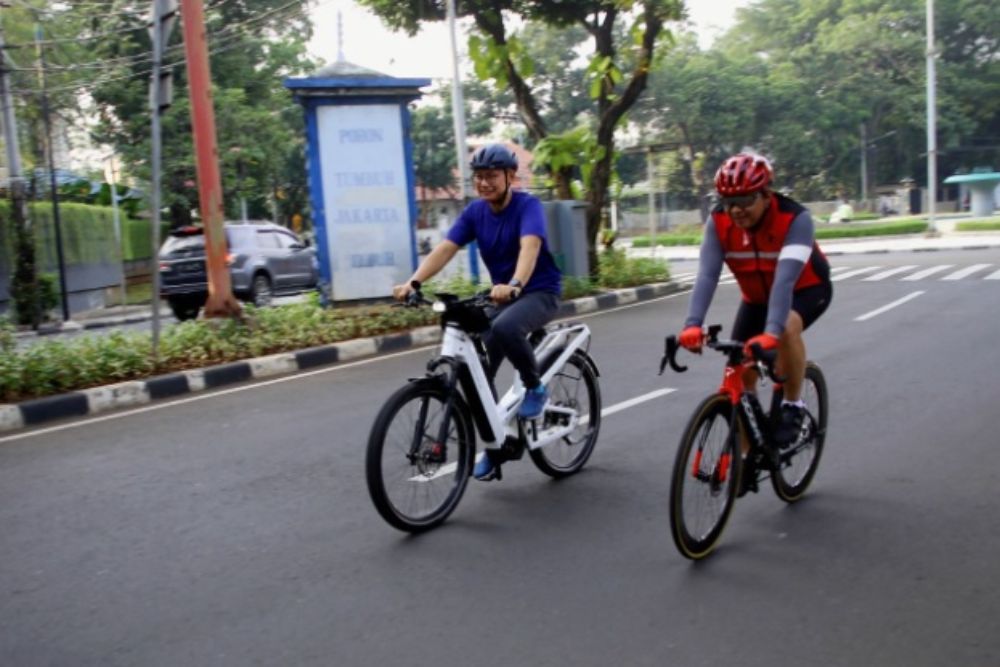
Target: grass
(138,293)
(978,226)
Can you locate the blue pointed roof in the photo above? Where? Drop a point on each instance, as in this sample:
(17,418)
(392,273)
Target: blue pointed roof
(343,76)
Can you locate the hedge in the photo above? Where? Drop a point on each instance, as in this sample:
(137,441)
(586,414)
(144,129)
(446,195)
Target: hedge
(88,234)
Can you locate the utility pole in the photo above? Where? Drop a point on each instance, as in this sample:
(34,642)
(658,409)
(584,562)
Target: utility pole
(221,302)
(931,123)
(52,173)
(160,94)
(461,150)
(652,202)
(864,165)
(25,277)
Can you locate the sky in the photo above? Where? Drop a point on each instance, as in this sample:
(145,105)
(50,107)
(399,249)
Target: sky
(367,42)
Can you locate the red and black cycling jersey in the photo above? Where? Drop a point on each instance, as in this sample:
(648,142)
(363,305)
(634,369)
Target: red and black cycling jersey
(771,261)
(752,255)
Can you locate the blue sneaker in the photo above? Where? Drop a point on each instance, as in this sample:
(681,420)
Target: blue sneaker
(485,469)
(533,403)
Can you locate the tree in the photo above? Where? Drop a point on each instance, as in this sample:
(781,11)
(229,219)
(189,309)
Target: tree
(618,69)
(253,45)
(434,151)
(836,64)
(708,103)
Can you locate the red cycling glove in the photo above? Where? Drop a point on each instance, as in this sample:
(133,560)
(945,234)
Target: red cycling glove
(691,338)
(766,341)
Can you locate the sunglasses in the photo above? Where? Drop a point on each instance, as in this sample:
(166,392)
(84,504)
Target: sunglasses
(742,201)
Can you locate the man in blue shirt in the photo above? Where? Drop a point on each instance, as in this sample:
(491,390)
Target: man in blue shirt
(509,227)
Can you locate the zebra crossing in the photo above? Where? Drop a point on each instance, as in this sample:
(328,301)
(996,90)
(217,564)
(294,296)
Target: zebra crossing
(877,273)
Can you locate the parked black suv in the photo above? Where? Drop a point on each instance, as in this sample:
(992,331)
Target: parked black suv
(264,260)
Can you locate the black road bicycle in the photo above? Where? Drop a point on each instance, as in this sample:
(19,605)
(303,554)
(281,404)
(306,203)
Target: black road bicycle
(728,448)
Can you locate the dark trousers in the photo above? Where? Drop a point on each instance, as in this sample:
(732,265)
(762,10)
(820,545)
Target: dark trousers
(508,334)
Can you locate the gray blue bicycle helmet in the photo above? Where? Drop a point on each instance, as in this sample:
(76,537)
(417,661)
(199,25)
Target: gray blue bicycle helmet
(493,156)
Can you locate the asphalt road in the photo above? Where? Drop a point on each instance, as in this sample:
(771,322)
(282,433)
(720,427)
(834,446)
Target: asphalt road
(235,528)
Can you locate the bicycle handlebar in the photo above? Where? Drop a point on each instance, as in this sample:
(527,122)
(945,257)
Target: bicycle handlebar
(764,359)
(670,356)
(414,299)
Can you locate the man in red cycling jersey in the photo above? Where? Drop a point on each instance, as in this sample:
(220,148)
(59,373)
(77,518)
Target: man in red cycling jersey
(768,242)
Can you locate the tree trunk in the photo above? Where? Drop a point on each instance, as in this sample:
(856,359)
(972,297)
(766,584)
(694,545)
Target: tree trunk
(611,111)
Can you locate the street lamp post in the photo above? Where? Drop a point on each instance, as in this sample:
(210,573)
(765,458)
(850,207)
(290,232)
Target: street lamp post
(931,123)
(458,115)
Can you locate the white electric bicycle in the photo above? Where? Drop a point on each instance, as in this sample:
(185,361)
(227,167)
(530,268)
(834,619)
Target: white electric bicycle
(422,446)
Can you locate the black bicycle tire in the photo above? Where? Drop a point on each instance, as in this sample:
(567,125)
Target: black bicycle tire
(791,493)
(690,546)
(376,442)
(538,456)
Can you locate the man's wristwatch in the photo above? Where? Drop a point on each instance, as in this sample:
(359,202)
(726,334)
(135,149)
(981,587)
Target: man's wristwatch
(516,284)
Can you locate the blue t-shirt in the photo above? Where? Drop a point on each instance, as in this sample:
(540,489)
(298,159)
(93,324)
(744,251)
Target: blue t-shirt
(499,237)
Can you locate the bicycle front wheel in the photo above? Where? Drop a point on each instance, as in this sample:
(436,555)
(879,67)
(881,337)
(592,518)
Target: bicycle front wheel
(414,479)
(797,465)
(705,478)
(574,387)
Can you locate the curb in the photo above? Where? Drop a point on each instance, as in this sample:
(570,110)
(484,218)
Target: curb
(14,416)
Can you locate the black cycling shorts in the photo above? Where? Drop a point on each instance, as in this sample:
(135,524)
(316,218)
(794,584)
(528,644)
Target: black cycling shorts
(809,303)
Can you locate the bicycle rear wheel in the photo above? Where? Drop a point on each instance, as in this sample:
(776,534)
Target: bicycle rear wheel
(574,386)
(705,478)
(799,462)
(414,480)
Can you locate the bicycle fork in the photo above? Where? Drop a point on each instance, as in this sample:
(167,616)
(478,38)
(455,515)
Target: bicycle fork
(437,451)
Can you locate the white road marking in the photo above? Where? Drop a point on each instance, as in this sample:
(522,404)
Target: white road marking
(624,405)
(854,272)
(966,272)
(890,306)
(882,275)
(920,275)
(993,276)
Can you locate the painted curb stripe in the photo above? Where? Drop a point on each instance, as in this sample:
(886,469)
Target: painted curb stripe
(54,407)
(216,376)
(393,343)
(166,386)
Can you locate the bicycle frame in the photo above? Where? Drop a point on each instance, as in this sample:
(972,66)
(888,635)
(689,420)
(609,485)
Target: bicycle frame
(499,418)
(747,405)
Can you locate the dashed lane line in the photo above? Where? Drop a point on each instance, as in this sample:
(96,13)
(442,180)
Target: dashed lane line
(888,306)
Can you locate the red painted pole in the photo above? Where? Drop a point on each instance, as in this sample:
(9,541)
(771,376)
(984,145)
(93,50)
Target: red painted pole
(221,302)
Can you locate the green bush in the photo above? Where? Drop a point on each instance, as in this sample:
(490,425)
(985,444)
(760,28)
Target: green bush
(45,298)
(669,239)
(978,226)
(574,287)
(852,230)
(616,270)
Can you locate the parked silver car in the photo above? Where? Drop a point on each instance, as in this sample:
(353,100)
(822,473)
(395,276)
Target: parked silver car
(264,260)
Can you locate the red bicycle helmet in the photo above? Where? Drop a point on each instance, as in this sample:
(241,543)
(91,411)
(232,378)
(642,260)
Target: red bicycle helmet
(743,174)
